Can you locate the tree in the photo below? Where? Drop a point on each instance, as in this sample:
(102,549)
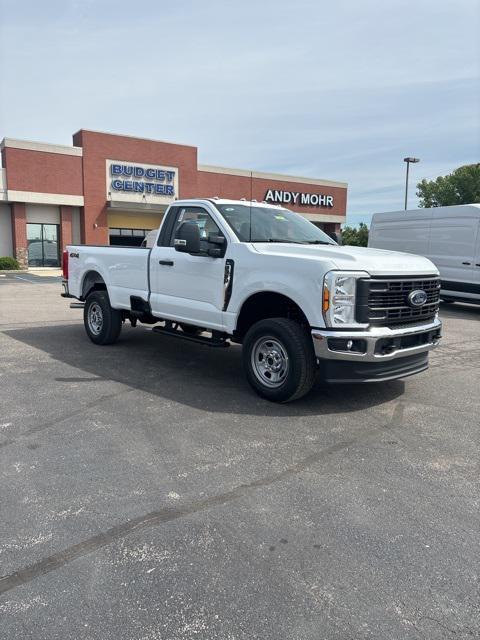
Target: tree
(462,186)
(356,237)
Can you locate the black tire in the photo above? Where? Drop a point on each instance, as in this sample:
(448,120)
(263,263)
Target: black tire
(102,323)
(286,349)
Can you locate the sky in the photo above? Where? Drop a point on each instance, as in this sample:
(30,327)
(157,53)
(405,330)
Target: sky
(338,90)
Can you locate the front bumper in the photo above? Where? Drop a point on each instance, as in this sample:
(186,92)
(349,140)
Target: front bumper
(379,353)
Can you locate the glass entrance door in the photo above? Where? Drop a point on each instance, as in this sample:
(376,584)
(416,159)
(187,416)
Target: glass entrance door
(43,245)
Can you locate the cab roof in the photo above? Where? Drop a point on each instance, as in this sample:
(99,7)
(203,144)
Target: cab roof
(253,203)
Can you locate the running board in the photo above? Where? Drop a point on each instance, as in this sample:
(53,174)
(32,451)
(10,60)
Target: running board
(77,305)
(214,341)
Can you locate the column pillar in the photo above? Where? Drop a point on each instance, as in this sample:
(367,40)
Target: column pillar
(19,233)
(66,234)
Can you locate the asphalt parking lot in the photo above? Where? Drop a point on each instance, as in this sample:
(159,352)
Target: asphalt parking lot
(147,493)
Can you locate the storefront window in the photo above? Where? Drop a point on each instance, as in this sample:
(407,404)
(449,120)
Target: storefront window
(43,245)
(127,237)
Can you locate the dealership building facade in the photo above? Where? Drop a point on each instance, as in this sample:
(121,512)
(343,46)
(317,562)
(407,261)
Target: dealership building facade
(113,189)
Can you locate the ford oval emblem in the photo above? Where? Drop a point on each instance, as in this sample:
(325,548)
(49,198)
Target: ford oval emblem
(417,298)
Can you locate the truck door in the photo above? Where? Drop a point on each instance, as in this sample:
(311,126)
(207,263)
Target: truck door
(184,287)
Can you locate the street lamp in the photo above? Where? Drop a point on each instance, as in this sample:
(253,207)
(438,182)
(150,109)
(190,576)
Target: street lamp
(408,161)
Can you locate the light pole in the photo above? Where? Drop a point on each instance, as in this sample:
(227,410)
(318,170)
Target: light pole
(408,161)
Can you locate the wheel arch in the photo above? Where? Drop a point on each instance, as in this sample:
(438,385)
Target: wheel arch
(92,281)
(267,304)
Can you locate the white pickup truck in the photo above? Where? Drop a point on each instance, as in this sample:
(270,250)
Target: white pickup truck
(223,271)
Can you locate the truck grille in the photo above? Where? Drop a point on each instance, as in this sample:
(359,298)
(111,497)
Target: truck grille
(385,301)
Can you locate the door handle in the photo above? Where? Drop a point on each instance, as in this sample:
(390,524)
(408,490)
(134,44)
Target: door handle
(477,264)
(166,263)
(467,263)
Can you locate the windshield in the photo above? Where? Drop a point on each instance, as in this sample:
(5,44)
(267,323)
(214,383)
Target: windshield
(269,224)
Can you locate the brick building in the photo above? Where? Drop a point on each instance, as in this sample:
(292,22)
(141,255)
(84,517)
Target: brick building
(113,189)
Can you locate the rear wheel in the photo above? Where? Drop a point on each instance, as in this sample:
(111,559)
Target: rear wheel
(102,323)
(279,359)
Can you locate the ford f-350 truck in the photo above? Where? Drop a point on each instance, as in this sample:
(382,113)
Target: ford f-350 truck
(224,271)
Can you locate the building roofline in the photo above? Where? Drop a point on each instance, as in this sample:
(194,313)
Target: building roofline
(270,176)
(123,135)
(45,147)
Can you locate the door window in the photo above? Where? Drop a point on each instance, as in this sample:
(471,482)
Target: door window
(202,219)
(43,245)
(166,228)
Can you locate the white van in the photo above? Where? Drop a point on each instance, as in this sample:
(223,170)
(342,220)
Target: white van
(448,236)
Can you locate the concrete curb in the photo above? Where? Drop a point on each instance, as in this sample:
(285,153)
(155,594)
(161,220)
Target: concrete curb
(13,271)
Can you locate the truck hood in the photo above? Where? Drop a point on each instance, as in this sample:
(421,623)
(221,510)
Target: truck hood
(377,262)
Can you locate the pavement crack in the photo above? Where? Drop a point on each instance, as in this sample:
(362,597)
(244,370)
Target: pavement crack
(72,414)
(168,514)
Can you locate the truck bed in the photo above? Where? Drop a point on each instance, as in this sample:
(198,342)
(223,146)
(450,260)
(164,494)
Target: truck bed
(124,268)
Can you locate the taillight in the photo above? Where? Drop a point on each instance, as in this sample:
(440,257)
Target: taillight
(65,265)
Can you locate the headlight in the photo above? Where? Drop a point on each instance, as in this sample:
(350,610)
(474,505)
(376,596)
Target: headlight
(339,298)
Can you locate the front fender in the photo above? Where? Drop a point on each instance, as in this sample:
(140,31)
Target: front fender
(308,297)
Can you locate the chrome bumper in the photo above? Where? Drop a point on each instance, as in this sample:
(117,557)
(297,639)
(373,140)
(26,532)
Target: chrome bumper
(372,350)
(66,293)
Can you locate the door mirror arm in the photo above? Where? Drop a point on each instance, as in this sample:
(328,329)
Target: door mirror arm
(215,252)
(214,238)
(219,245)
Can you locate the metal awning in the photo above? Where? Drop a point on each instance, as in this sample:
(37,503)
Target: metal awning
(136,207)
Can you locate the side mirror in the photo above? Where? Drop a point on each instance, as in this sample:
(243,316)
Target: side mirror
(187,238)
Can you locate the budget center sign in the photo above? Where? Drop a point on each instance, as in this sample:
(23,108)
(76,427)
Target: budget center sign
(140,182)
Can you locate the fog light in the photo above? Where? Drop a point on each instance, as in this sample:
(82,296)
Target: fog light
(346,344)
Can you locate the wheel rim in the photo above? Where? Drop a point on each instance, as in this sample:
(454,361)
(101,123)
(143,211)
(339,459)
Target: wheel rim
(95,318)
(270,362)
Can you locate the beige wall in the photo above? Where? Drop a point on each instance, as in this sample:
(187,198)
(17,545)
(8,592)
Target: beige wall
(48,214)
(6,248)
(134,220)
(76,237)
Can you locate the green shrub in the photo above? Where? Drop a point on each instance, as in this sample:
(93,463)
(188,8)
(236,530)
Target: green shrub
(8,263)
(356,237)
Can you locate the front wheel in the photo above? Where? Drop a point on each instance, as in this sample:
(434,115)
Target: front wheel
(279,359)
(102,323)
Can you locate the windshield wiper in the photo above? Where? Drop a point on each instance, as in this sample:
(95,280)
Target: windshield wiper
(319,242)
(279,240)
